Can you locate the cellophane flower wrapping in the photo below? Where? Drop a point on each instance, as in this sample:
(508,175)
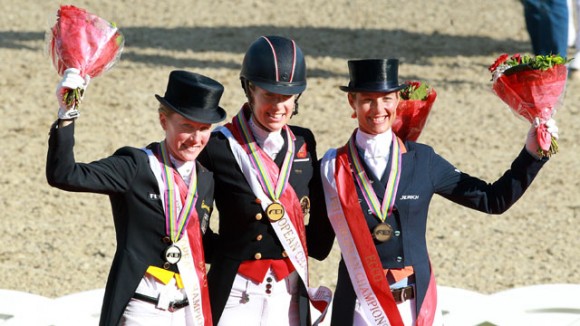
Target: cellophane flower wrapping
(534,95)
(84,41)
(412,116)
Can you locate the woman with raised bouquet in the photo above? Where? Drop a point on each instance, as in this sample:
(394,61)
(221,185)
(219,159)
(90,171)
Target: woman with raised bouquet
(161,196)
(378,188)
(161,201)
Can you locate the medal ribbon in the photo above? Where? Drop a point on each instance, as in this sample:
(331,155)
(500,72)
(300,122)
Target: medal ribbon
(241,123)
(386,208)
(175,223)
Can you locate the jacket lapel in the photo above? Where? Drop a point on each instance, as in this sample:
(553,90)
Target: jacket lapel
(280,157)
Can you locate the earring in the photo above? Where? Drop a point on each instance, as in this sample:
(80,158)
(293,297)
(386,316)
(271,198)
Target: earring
(353,115)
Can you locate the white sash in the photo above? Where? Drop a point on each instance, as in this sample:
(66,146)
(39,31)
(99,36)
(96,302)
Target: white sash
(366,296)
(190,280)
(186,264)
(284,228)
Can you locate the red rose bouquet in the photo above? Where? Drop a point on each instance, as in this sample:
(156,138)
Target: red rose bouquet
(83,41)
(415,103)
(532,87)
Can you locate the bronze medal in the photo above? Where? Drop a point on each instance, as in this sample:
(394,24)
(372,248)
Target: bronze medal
(172,254)
(275,211)
(382,232)
(305,205)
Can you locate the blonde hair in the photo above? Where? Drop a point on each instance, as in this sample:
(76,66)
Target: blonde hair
(165,110)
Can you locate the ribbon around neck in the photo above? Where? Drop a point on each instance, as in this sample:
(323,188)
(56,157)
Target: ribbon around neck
(386,208)
(175,223)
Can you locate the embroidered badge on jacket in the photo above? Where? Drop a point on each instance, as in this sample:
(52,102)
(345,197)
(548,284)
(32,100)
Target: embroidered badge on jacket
(302,152)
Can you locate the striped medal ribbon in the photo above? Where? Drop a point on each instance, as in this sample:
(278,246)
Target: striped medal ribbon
(383,231)
(176,222)
(275,211)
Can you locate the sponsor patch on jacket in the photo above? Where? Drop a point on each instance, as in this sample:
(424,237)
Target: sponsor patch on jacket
(205,206)
(409,197)
(204,222)
(305,205)
(153,196)
(205,218)
(302,152)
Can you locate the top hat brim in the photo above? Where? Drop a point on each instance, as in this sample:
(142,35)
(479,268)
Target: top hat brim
(202,116)
(372,89)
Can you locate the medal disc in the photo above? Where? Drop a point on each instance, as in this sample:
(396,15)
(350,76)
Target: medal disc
(382,232)
(172,254)
(275,211)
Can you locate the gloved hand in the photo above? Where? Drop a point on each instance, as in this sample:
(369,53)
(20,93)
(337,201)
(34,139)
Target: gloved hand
(532,145)
(73,83)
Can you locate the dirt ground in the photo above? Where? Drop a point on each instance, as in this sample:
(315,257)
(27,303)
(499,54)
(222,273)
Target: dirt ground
(55,243)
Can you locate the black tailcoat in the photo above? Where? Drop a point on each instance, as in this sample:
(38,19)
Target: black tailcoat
(239,228)
(139,218)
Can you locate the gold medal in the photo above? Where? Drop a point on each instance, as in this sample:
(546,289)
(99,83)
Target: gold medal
(382,232)
(275,211)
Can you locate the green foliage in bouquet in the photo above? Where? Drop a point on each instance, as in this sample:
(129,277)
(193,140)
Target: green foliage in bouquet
(415,91)
(538,62)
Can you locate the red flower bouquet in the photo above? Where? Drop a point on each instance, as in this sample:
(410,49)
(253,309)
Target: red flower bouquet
(414,106)
(532,87)
(84,41)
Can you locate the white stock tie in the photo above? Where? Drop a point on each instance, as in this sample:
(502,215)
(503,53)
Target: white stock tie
(376,150)
(270,142)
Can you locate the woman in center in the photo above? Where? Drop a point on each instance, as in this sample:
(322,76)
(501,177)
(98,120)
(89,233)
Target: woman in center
(265,176)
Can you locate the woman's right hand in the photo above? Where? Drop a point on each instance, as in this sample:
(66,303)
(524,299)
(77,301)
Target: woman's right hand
(71,83)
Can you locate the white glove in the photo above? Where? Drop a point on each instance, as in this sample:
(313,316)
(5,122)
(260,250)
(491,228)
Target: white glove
(71,80)
(532,145)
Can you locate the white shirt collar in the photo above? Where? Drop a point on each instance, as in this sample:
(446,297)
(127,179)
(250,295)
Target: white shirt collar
(184,168)
(270,141)
(374,145)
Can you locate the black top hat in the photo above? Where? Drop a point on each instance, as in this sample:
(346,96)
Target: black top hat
(194,96)
(373,75)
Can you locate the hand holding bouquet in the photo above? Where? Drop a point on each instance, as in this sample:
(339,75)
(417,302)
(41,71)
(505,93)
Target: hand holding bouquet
(415,103)
(532,87)
(84,42)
